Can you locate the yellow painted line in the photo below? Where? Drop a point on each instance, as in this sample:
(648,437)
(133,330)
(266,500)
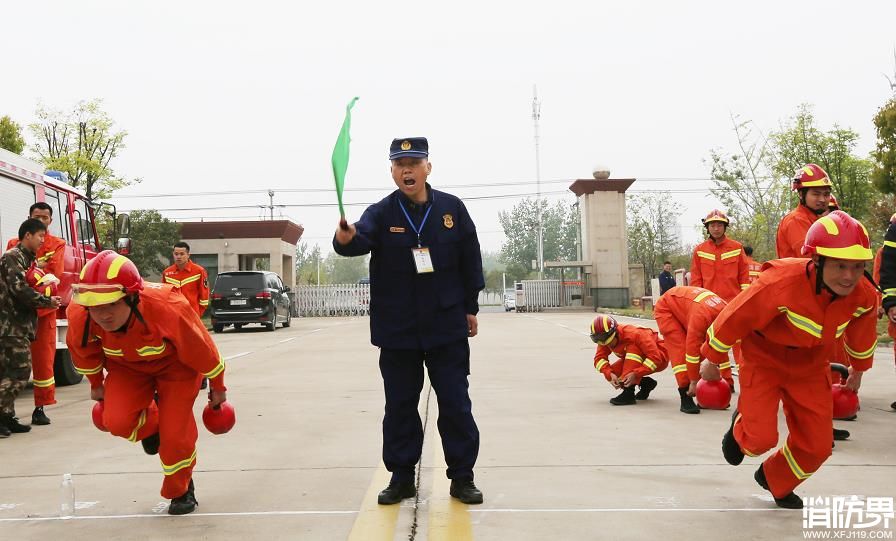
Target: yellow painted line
(449,519)
(375,522)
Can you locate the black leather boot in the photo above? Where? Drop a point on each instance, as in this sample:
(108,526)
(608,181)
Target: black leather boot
(687,402)
(625,398)
(13,424)
(841,435)
(647,384)
(39,417)
(184,504)
(465,491)
(396,491)
(730,448)
(151,444)
(791,501)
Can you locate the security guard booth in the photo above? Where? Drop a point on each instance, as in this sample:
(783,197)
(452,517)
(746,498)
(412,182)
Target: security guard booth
(244,245)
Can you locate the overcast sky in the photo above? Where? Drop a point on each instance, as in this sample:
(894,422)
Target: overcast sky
(221,96)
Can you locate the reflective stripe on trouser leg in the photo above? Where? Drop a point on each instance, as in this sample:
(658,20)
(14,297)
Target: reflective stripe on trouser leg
(808,410)
(43,355)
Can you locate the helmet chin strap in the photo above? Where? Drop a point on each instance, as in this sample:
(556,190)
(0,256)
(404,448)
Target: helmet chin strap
(819,277)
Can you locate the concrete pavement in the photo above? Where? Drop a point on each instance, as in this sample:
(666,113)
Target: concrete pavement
(557,461)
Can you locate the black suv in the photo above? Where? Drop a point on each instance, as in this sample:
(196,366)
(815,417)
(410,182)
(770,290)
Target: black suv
(241,297)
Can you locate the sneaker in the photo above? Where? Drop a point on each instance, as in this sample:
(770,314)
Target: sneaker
(184,504)
(39,417)
(687,402)
(647,384)
(791,501)
(841,435)
(151,444)
(625,398)
(396,491)
(730,448)
(465,491)
(13,424)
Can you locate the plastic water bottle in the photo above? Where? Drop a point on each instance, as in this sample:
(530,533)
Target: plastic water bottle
(67,497)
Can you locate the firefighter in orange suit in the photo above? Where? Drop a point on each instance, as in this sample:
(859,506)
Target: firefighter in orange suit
(640,353)
(683,315)
(719,264)
(147,340)
(50,259)
(814,188)
(188,278)
(753,266)
(789,322)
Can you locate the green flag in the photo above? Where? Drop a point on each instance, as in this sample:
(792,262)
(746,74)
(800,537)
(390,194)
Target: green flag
(340,154)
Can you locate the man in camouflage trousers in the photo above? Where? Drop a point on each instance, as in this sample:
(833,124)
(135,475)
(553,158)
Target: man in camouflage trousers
(18,317)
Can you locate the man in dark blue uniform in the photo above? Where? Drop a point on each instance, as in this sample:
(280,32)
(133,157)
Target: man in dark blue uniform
(425,278)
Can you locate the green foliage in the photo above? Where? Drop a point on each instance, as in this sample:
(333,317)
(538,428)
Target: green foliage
(308,259)
(652,231)
(560,225)
(82,143)
(152,239)
(884,173)
(343,270)
(11,136)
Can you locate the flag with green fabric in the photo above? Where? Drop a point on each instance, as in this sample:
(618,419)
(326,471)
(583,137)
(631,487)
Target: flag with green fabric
(340,155)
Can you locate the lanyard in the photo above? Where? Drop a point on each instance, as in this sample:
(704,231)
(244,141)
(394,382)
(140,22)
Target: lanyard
(410,221)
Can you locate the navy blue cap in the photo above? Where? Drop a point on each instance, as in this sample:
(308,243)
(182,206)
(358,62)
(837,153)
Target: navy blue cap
(409,147)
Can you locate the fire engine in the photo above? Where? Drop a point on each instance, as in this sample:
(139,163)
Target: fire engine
(22,183)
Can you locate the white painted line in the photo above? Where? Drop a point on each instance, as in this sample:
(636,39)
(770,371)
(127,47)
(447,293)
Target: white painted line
(635,510)
(5,506)
(288,340)
(243,354)
(244,514)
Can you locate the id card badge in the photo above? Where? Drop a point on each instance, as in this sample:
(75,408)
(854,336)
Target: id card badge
(422,260)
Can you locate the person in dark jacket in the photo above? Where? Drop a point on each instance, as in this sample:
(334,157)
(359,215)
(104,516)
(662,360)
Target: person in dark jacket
(888,275)
(18,319)
(667,280)
(425,278)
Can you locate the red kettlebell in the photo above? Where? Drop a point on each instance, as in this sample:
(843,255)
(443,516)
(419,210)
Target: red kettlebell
(714,395)
(219,420)
(846,401)
(97,415)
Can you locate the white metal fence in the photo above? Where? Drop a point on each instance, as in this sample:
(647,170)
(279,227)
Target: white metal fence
(333,300)
(536,295)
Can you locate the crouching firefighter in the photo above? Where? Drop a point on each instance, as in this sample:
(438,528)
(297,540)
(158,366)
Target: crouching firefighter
(640,353)
(134,340)
(789,322)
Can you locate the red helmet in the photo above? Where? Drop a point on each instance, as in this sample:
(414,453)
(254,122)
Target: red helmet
(833,204)
(715,215)
(105,279)
(603,329)
(37,279)
(810,176)
(714,395)
(219,420)
(97,415)
(840,236)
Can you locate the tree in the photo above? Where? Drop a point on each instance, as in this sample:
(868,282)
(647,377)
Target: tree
(11,136)
(560,237)
(152,238)
(81,143)
(344,270)
(884,173)
(308,259)
(753,197)
(652,230)
(801,141)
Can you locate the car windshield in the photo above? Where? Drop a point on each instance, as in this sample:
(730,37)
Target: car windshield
(228,282)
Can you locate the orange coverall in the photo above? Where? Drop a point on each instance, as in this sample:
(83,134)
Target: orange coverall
(43,349)
(192,282)
(639,349)
(788,334)
(683,315)
(753,267)
(792,232)
(168,354)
